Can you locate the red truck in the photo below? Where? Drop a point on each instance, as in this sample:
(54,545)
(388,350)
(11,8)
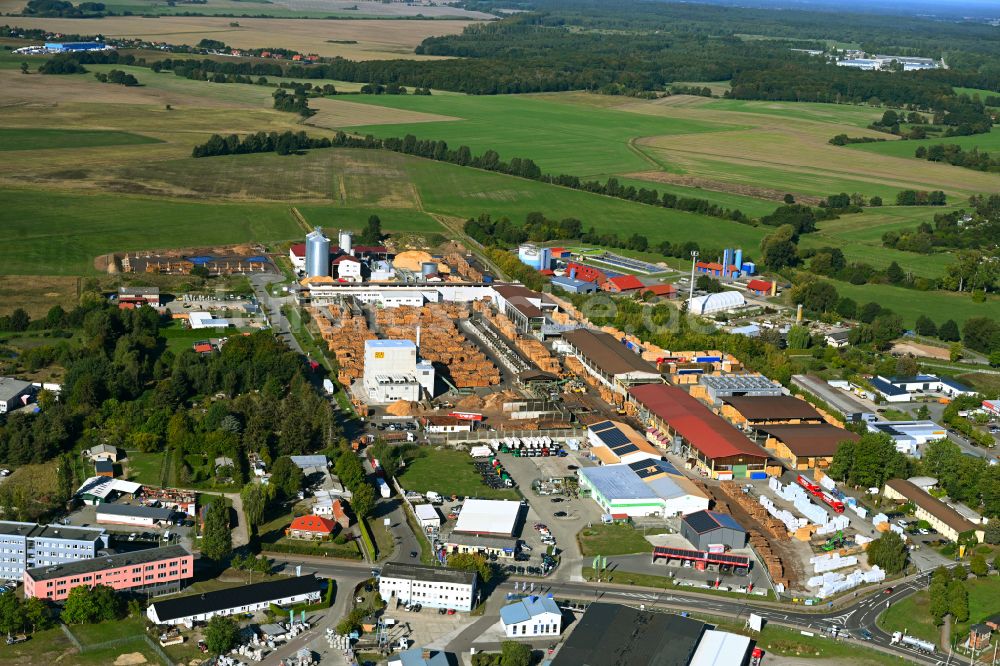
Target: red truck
(832,502)
(811,488)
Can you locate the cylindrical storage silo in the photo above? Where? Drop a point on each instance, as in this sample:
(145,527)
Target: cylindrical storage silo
(738,260)
(317,254)
(428,268)
(346,242)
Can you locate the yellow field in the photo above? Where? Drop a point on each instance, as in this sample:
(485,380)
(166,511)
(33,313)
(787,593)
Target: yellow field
(338,112)
(36,294)
(377,39)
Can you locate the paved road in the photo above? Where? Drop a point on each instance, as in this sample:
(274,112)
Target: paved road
(849,619)
(348,576)
(271,306)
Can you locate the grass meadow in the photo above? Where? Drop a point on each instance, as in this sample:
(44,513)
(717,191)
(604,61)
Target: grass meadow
(910,304)
(46,139)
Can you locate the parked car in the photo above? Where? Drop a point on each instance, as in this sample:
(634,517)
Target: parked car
(560,514)
(556,500)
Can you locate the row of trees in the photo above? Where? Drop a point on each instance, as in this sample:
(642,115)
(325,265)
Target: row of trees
(955,155)
(118,77)
(260,142)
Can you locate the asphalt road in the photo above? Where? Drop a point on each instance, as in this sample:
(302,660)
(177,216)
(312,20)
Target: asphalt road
(849,618)
(271,306)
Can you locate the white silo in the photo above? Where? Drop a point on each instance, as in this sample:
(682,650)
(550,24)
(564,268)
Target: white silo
(317,254)
(346,242)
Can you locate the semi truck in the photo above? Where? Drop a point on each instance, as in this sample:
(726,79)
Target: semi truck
(811,488)
(899,638)
(832,502)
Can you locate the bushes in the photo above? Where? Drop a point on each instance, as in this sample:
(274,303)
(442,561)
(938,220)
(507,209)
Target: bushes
(366,539)
(348,553)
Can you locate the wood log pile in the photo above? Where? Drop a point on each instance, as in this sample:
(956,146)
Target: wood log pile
(760,542)
(462,267)
(345,336)
(531,347)
(441,341)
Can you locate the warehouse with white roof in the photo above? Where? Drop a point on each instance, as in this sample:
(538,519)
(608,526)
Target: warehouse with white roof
(642,489)
(490,517)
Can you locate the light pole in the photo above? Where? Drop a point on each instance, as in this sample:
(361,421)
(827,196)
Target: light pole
(694,259)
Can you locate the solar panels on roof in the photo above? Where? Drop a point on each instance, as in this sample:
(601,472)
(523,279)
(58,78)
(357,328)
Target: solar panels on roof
(701,522)
(624,449)
(726,520)
(603,425)
(612,437)
(647,467)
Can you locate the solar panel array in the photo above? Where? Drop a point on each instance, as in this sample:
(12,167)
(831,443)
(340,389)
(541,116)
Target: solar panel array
(701,522)
(612,437)
(741,561)
(647,468)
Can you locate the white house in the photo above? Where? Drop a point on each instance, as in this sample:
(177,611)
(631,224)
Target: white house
(427,515)
(434,587)
(348,268)
(236,600)
(531,617)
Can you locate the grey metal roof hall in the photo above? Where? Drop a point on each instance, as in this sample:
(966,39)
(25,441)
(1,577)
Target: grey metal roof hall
(705,528)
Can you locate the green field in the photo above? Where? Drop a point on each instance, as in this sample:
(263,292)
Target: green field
(989,142)
(614,540)
(860,238)
(61,234)
(912,613)
(448,472)
(910,304)
(144,468)
(559,137)
(42,139)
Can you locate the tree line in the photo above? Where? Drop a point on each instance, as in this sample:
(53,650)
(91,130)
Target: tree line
(118,77)
(955,155)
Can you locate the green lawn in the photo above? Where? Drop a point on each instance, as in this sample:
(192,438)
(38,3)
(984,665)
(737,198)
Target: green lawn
(912,613)
(985,142)
(559,137)
(51,233)
(180,338)
(41,139)
(910,304)
(860,238)
(614,540)
(144,468)
(448,472)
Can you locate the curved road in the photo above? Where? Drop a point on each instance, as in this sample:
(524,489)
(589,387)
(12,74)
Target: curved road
(849,617)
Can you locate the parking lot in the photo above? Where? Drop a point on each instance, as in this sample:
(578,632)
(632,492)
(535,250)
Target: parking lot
(139,537)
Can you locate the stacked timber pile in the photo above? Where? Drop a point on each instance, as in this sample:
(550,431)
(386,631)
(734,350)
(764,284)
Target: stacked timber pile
(538,354)
(440,341)
(345,335)
(531,347)
(774,527)
(774,565)
(462,267)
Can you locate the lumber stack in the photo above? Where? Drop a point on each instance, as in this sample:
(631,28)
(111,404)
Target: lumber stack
(462,267)
(440,341)
(774,527)
(345,335)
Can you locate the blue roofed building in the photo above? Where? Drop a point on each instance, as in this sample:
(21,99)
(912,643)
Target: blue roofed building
(901,389)
(69,47)
(574,286)
(888,390)
(420,657)
(531,617)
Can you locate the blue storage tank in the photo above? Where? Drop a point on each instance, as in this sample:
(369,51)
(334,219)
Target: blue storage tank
(749,268)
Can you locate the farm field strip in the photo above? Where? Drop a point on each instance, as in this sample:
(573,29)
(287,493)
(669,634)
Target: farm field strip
(376,39)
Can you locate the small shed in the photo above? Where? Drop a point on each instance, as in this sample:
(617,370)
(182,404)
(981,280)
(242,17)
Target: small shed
(709,528)
(104,468)
(427,515)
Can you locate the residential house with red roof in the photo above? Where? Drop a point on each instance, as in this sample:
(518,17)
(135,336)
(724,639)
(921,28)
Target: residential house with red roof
(311,527)
(585,273)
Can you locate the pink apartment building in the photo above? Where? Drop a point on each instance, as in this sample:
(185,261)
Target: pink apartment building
(150,572)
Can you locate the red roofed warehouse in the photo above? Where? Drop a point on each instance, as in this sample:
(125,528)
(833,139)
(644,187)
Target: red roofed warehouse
(661,290)
(761,287)
(717,448)
(622,283)
(585,273)
(311,527)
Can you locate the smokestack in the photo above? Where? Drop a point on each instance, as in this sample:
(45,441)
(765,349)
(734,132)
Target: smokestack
(418,341)
(738,258)
(798,314)
(774,287)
